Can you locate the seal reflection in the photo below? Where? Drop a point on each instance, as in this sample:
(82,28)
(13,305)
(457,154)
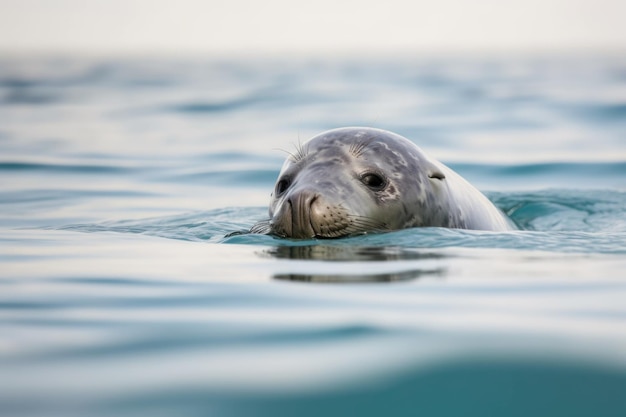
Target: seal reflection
(422,263)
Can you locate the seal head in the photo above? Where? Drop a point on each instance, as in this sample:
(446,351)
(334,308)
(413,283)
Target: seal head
(358,180)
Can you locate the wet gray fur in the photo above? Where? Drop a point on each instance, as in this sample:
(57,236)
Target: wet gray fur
(322,191)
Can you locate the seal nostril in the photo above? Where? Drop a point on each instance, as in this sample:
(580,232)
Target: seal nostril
(301,207)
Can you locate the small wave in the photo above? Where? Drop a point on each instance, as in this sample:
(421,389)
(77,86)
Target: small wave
(566,210)
(236,178)
(63,168)
(46,196)
(26,97)
(209,226)
(604,112)
(264,96)
(557,174)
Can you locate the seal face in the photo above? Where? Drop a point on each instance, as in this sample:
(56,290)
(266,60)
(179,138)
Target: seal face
(358,180)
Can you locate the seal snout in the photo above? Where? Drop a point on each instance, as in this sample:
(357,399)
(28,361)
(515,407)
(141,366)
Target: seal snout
(306,214)
(293,215)
(300,204)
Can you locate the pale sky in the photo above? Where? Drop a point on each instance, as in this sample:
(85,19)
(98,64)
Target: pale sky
(195,26)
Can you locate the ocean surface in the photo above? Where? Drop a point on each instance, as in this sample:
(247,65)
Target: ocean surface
(124,293)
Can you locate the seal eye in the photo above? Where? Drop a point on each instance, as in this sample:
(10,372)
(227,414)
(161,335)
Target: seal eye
(373,181)
(282,185)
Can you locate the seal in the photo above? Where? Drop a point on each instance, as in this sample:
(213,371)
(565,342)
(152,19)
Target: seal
(358,180)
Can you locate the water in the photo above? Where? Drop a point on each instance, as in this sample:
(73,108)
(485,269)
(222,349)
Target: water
(122,292)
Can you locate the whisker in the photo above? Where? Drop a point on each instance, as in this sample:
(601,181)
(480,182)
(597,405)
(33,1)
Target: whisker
(358,147)
(301,151)
(290,155)
(262,227)
(298,154)
(361,224)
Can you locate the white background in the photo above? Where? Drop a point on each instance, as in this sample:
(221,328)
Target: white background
(327,26)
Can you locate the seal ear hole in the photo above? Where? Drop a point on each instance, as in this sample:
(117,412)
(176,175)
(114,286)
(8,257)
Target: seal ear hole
(282,185)
(373,181)
(438,175)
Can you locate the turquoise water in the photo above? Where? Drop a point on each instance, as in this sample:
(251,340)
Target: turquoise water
(122,292)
